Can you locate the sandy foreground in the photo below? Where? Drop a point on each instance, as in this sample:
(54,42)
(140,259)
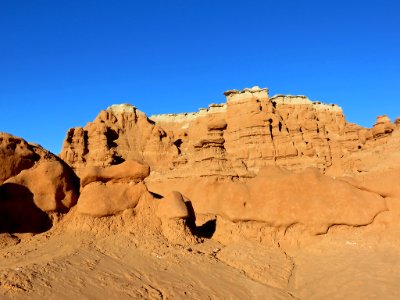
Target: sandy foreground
(67,263)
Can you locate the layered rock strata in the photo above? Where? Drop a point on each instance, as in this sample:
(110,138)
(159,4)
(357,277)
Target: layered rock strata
(231,140)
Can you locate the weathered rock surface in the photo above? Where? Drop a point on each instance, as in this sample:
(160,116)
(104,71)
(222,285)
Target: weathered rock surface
(119,133)
(100,199)
(131,170)
(53,185)
(231,140)
(34,182)
(382,127)
(172,207)
(283,199)
(177,220)
(111,190)
(7,240)
(235,176)
(15,156)
(379,153)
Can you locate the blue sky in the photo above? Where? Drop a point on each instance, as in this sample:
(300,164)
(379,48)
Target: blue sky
(61,62)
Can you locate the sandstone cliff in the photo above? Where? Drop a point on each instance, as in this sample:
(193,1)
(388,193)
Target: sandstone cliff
(231,140)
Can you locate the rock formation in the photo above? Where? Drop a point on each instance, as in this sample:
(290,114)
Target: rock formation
(232,160)
(261,196)
(119,133)
(283,199)
(231,140)
(15,155)
(108,191)
(34,184)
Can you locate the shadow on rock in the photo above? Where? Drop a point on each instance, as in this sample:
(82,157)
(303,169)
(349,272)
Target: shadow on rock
(206,230)
(18,212)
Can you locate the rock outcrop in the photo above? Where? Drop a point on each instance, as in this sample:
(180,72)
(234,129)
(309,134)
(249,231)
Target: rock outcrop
(53,185)
(282,199)
(231,140)
(173,207)
(131,170)
(101,199)
(111,190)
(34,184)
(382,127)
(119,133)
(378,153)
(15,156)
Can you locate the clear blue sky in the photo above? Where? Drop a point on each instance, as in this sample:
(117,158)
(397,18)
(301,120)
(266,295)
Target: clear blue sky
(61,62)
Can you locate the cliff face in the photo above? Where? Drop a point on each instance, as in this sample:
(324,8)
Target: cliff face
(119,133)
(230,140)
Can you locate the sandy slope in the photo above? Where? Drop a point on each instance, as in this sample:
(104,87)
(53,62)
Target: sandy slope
(81,265)
(91,265)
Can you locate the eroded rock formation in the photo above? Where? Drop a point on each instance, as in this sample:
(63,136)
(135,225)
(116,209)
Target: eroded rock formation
(34,184)
(218,157)
(119,133)
(283,199)
(108,191)
(227,191)
(230,140)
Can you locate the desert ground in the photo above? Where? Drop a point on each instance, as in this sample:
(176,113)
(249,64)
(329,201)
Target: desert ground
(257,198)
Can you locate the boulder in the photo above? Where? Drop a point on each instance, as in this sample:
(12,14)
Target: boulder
(33,183)
(130,170)
(54,185)
(172,207)
(100,199)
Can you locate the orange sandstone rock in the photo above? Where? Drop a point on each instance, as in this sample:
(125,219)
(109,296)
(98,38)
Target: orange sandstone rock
(15,156)
(108,191)
(33,183)
(53,185)
(382,126)
(117,134)
(282,199)
(106,199)
(172,207)
(231,140)
(129,170)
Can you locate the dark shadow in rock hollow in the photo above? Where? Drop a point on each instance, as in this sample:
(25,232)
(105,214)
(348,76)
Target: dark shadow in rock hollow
(206,230)
(156,196)
(18,212)
(111,136)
